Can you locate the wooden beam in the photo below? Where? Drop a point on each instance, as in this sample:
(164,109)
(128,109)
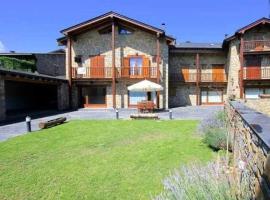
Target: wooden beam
(241,82)
(158,67)
(197,79)
(113,64)
(69,64)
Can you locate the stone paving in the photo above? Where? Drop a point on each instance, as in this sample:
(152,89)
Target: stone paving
(181,113)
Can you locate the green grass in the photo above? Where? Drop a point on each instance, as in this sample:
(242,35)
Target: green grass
(98,159)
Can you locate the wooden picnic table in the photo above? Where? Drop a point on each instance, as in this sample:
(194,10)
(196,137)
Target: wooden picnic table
(146,106)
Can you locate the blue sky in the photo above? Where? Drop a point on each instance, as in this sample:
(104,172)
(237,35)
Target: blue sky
(34,25)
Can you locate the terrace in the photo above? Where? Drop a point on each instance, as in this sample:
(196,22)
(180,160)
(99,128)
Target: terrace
(107,72)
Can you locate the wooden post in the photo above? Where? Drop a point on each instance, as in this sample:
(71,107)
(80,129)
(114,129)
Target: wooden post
(113,64)
(158,62)
(241,82)
(69,71)
(69,44)
(197,79)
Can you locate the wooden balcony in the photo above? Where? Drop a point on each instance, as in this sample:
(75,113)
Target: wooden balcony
(256,73)
(256,45)
(202,77)
(137,72)
(107,72)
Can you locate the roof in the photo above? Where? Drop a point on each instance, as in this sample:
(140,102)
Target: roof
(30,75)
(191,45)
(58,51)
(242,30)
(107,17)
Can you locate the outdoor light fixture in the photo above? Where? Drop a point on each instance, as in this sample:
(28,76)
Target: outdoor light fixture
(28,123)
(78,59)
(117,113)
(170,114)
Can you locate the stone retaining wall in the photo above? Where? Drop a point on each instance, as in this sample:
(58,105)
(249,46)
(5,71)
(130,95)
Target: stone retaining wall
(251,144)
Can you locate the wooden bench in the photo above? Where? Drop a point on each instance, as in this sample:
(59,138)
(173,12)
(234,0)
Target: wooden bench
(51,123)
(144,116)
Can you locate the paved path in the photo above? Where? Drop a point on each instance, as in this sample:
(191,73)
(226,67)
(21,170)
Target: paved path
(192,112)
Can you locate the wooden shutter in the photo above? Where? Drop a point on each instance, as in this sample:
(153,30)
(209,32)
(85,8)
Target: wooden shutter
(146,67)
(125,67)
(185,73)
(97,67)
(218,73)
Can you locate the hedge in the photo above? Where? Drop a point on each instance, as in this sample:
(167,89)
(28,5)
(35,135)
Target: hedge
(17,64)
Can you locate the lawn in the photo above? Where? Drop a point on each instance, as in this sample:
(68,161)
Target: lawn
(98,159)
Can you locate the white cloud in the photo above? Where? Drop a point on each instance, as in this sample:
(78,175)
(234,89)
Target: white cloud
(2,47)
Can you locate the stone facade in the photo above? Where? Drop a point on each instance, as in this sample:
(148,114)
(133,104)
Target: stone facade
(52,64)
(137,43)
(184,94)
(63,96)
(2,100)
(250,135)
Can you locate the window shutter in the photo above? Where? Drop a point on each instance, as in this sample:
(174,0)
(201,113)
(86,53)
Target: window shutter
(146,62)
(101,61)
(125,62)
(94,61)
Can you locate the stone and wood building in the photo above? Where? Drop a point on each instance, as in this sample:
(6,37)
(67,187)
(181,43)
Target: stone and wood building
(108,53)
(105,55)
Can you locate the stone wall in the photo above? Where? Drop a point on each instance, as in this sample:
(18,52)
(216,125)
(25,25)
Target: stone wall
(182,95)
(52,64)
(2,100)
(251,145)
(233,62)
(63,96)
(137,43)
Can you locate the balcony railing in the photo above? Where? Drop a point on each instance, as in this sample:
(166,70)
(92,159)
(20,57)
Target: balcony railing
(107,72)
(202,77)
(257,45)
(138,72)
(256,73)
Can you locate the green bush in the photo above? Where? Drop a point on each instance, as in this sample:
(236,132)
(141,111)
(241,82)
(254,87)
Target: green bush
(216,138)
(17,64)
(215,131)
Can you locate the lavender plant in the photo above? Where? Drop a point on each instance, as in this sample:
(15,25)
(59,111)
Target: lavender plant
(210,182)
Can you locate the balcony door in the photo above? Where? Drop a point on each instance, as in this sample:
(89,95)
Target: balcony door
(253,68)
(136,67)
(94,96)
(97,67)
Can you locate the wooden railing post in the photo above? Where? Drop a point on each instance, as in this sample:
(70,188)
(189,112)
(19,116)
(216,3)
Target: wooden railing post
(241,82)
(197,79)
(113,65)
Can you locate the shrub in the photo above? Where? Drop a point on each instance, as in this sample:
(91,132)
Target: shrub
(17,64)
(199,182)
(215,131)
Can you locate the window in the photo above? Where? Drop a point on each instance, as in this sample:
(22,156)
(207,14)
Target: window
(124,31)
(135,64)
(209,96)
